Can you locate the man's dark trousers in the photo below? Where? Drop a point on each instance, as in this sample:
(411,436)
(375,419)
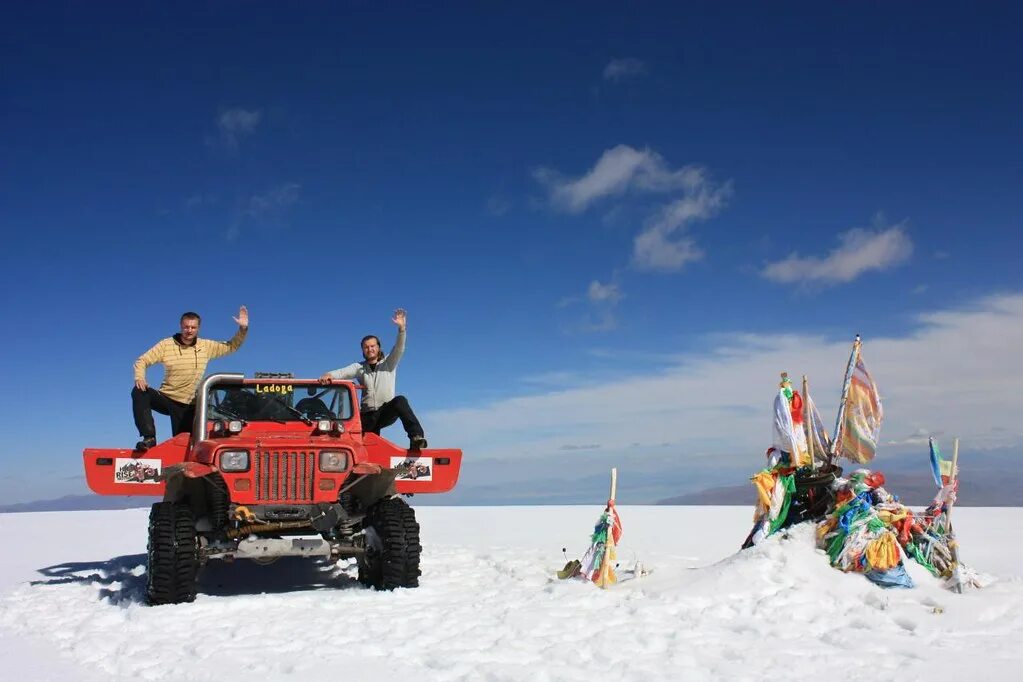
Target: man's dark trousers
(144,402)
(391,411)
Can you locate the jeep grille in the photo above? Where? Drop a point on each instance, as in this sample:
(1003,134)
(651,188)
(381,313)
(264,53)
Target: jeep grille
(284,476)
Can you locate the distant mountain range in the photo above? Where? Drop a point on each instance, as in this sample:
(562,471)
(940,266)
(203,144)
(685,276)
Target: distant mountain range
(81,503)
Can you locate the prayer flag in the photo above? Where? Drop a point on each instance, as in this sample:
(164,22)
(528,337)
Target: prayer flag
(941,468)
(863,416)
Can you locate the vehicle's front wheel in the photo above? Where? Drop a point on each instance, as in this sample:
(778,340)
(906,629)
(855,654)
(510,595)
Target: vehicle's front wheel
(392,546)
(173,554)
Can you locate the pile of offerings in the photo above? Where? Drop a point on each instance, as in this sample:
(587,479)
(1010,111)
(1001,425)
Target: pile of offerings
(862,527)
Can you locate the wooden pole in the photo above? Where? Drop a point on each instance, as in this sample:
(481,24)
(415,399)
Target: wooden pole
(836,444)
(604,578)
(953,544)
(808,422)
(955,461)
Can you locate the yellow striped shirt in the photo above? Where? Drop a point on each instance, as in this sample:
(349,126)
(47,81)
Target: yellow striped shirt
(184,366)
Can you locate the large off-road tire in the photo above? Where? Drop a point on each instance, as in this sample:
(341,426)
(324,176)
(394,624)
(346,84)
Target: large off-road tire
(173,554)
(392,546)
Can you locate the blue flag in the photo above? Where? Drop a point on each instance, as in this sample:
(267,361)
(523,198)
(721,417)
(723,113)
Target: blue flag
(939,466)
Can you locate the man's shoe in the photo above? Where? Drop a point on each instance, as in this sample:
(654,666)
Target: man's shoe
(145,444)
(571,569)
(417,443)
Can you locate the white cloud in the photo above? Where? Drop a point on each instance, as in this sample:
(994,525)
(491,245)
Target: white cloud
(956,373)
(617,171)
(918,437)
(235,124)
(554,378)
(664,244)
(860,251)
(600,303)
(604,293)
(655,251)
(620,69)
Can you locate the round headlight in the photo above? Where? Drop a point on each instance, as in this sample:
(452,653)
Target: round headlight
(234,460)
(333,461)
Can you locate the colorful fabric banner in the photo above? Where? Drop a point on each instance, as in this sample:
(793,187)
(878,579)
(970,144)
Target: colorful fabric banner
(609,522)
(788,426)
(861,424)
(941,468)
(819,434)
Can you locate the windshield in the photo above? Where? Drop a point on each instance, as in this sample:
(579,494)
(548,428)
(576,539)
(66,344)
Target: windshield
(279,402)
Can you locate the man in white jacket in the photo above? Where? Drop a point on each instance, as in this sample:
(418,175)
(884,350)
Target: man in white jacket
(378,374)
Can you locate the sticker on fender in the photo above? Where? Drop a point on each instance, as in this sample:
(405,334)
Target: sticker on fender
(129,470)
(413,468)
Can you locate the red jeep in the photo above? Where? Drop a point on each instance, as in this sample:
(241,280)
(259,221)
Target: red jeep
(276,467)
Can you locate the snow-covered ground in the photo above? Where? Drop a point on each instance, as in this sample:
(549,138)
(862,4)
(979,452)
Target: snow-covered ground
(490,608)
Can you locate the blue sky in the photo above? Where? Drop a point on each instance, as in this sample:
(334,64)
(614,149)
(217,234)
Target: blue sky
(611,225)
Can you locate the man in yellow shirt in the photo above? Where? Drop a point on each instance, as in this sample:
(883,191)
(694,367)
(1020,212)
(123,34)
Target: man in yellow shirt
(184,357)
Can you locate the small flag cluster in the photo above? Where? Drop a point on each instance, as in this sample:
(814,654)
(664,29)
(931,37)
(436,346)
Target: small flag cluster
(597,564)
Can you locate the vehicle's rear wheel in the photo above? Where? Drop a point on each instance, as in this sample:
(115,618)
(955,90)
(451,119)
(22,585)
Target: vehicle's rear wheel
(392,546)
(173,554)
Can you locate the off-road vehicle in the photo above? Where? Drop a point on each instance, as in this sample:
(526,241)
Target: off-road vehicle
(276,466)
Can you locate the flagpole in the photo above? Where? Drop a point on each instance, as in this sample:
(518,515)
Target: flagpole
(953,544)
(836,444)
(808,422)
(609,544)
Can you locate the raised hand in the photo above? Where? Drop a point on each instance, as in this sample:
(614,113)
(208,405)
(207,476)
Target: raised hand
(399,318)
(243,317)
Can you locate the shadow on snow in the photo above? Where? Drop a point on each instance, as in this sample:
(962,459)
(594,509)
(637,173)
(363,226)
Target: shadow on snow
(122,580)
